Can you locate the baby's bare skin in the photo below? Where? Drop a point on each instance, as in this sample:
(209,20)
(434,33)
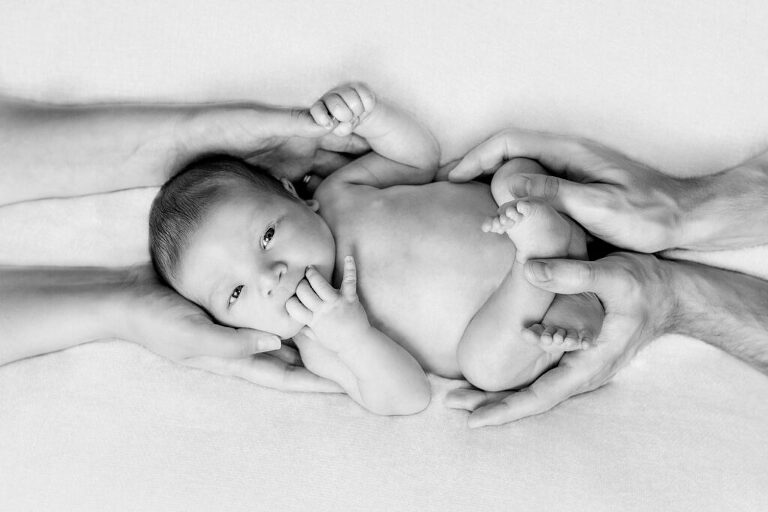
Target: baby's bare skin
(425,266)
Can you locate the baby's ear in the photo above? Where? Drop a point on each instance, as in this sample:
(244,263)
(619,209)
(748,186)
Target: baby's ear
(313,204)
(287,185)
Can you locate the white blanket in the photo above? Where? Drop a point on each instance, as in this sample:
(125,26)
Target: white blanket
(110,426)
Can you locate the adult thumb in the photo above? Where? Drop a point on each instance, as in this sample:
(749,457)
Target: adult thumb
(220,341)
(569,197)
(565,276)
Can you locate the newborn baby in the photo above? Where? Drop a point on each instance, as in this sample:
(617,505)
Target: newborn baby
(434,291)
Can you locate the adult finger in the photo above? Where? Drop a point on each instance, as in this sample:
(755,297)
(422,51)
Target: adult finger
(272,123)
(552,388)
(580,201)
(555,152)
(471,399)
(267,371)
(445,170)
(574,276)
(352,143)
(287,354)
(217,340)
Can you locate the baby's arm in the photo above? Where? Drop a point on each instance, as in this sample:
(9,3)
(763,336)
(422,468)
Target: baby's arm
(403,150)
(340,344)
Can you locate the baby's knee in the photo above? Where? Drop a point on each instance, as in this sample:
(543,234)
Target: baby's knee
(512,364)
(484,369)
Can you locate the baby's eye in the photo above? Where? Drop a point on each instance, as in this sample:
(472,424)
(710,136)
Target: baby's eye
(235,295)
(266,238)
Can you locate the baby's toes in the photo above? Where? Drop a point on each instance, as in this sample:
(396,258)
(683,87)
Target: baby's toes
(558,336)
(586,339)
(572,341)
(511,213)
(532,334)
(524,208)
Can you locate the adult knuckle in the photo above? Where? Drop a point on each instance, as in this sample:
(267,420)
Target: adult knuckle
(551,187)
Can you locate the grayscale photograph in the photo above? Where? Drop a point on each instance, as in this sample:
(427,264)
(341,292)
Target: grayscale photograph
(387,255)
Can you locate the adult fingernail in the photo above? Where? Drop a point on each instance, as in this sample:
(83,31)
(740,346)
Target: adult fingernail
(540,271)
(270,343)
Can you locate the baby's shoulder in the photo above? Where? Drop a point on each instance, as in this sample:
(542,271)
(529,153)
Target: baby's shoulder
(338,197)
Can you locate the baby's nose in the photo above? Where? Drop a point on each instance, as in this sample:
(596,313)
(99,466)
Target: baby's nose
(271,277)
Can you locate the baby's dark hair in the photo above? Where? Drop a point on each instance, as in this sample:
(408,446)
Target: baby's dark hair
(182,203)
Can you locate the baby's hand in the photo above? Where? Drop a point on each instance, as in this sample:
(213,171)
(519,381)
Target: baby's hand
(344,108)
(335,317)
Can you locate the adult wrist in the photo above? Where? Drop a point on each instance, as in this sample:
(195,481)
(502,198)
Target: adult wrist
(709,219)
(119,311)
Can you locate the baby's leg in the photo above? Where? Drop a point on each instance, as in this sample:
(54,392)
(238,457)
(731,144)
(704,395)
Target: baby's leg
(493,353)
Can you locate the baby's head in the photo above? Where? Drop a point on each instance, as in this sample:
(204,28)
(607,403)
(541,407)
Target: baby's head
(237,241)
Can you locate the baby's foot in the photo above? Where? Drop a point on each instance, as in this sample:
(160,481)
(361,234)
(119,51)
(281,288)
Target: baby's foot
(558,339)
(537,230)
(572,323)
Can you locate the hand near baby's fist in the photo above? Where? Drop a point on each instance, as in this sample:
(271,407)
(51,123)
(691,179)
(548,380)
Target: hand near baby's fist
(335,318)
(344,107)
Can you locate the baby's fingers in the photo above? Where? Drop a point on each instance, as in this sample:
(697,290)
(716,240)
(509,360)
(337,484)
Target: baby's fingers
(344,129)
(307,295)
(321,287)
(338,108)
(298,311)
(320,115)
(352,99)
(349,282)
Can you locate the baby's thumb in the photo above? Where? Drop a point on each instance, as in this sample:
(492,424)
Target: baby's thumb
(349,281)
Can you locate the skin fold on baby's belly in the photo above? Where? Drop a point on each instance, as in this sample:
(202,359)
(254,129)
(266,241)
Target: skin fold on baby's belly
(424,265)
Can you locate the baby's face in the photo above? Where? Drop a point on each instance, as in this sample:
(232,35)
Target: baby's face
(248,256)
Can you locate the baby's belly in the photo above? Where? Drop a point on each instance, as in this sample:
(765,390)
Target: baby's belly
(425,267)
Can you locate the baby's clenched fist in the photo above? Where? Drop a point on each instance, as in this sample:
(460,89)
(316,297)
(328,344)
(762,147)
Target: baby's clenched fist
(344,107)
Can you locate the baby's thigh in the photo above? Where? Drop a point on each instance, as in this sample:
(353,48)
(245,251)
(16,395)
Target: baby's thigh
(501,186)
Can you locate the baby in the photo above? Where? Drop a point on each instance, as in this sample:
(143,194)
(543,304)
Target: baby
(434,291)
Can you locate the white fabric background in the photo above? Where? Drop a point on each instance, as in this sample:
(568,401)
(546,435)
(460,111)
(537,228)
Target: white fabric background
(679,85)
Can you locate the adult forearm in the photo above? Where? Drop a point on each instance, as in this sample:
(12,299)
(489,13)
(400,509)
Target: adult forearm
(726,309)
(726,210)
(61,151)
(47,309)
(56,151)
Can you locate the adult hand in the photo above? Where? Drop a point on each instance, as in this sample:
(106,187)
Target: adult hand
(619,200)
(287,141)
(164,322)
(635,290)
(72,151)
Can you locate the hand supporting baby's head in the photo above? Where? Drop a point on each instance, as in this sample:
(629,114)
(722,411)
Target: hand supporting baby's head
(235,240)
